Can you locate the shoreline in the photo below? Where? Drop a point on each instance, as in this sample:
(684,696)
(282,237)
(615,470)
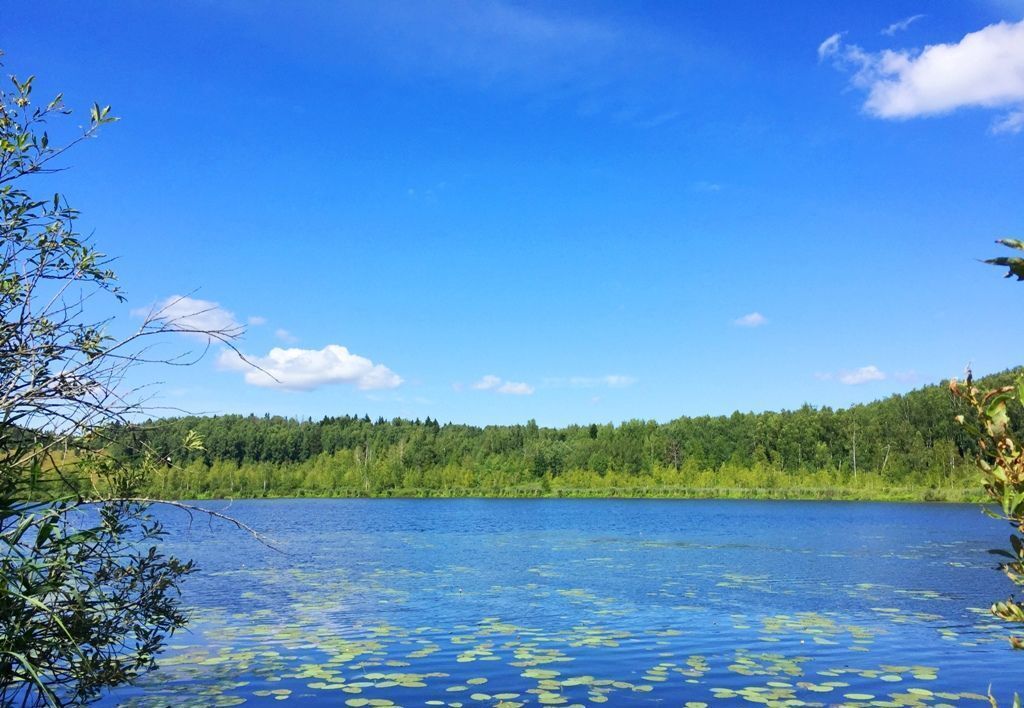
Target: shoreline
(895,494)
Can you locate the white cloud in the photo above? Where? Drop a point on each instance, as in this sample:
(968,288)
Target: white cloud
(754,319)
(285,336)
(704,186)
(499,385)
(830,46)
(257,321)
(515,388)
(308,369)
(487,383)
(617,381)
(193,317)
(984,69)
(862,375)
(901,25)
(610,381)
(1010,123)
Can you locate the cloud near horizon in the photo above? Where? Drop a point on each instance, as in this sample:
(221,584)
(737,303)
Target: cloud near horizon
(864,374)
(296,369)
(609,381)
(490,382)
(985,69)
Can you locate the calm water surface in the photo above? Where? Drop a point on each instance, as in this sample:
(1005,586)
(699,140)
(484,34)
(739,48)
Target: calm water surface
(562,602)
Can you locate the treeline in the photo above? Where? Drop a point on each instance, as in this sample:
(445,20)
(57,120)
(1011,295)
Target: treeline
(905,446)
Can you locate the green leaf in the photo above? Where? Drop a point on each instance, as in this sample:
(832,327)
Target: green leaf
(1014,266)
(45,531)
(995,412)
(51,700)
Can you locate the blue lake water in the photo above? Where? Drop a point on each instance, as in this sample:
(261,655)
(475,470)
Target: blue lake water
(581,602)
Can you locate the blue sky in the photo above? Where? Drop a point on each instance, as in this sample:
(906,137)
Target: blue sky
(491,211)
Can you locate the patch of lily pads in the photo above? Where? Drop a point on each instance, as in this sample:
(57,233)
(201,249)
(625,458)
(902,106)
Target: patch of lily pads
(587,648)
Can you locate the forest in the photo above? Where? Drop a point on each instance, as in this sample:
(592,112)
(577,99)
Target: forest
(906,446)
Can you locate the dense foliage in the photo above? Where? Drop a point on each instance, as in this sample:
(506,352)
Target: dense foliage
(86,598)
(906,446)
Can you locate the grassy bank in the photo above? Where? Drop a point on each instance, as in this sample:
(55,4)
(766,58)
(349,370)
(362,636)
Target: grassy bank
(333,476)
(891,494)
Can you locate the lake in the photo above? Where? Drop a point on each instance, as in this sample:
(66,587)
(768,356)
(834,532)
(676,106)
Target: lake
(478,602)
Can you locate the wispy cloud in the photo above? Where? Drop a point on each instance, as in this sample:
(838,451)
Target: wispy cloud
(862,375)
(1012,122)
(487,383)
(309,369)
(285,336)
(257,321)
(854,377)
(490,382)
(703,186)
(426,194)
(901,25)
(487,42)
(515,388)
(831,46)
(985,69)
(754,319)
(607,381)
(193,317)
(604,64)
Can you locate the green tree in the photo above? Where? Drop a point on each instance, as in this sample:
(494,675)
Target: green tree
(86,598)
